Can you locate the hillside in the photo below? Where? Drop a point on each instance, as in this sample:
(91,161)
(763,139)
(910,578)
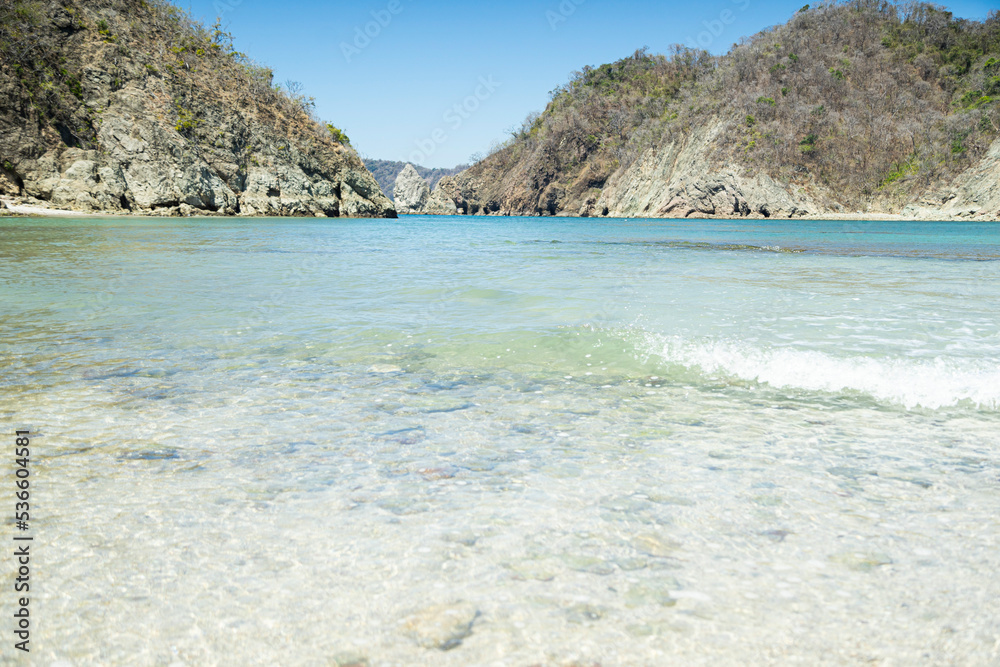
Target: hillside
(128,106)
(387,171)
(859,106)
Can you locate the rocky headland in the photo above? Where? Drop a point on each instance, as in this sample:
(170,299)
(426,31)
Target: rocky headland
(849,110)
(130,107)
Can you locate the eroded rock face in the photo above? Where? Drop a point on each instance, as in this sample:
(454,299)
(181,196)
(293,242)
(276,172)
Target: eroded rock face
(675,181)
(411,191)
(974,193)
(147,132)
(679,180)
(440,203)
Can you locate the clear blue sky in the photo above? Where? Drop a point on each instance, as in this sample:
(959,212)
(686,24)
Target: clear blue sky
(395,94)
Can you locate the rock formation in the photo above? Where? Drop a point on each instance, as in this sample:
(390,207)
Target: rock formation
(129,107)
(974,193)
(827,116)
(411,192)
(679,182)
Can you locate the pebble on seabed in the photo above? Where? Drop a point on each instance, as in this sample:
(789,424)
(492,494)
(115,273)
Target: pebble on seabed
(442,626)
(350,659)
(655,545)
(862,562)
(384,368)
(584,613)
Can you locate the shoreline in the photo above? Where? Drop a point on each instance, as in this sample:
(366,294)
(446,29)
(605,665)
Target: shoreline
(39,211)
(824,217)
(12,209)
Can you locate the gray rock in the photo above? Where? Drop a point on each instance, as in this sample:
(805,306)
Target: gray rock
(411,191)
(975,193)
(440,203)
(678,182)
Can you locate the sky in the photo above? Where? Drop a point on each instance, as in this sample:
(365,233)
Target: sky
(434,82)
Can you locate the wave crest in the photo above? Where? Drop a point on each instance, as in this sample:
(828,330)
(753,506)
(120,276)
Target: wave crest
(912,383)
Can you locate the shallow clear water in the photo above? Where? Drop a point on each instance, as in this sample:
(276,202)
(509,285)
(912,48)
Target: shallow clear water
(621,442)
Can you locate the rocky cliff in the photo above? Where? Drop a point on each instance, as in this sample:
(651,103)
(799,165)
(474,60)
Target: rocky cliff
(851,108)
(387,171)
(411,192)
(126,106)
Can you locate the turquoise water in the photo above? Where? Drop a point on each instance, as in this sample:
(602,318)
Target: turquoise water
(621,442)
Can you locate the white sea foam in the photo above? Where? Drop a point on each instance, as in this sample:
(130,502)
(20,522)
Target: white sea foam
(927,383)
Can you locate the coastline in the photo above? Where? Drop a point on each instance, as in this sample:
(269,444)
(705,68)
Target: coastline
(819,217)
(9,208)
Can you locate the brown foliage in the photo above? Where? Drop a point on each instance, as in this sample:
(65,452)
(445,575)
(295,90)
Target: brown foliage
(878,101)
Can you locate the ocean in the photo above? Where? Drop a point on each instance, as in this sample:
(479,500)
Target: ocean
(504,441)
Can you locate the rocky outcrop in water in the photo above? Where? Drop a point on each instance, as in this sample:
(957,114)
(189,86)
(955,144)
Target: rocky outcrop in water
(411,191)
(130,107)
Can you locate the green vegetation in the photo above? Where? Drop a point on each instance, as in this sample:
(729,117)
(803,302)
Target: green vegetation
(186,122)
(808,145)
(338,135)
(104,30)
(899,172)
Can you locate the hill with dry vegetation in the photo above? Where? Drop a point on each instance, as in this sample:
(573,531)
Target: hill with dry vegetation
(858,106)
(129,106)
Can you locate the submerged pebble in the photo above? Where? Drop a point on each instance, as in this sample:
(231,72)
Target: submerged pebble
(443,626)
(640,595)
(349,659)
(861,561)
(588,564)
(584,613)
(655,545)
(385,368)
